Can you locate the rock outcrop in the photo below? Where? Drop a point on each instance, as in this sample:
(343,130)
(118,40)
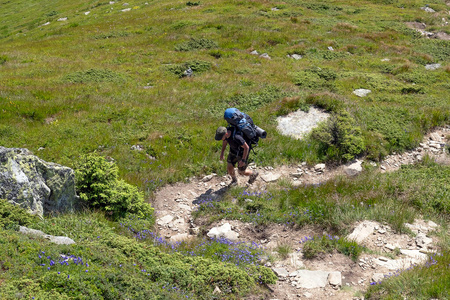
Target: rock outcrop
(39,186)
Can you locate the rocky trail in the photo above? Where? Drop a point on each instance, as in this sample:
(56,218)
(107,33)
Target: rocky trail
(334,276)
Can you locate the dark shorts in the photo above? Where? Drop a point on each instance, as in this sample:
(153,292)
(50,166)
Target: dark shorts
(234,159)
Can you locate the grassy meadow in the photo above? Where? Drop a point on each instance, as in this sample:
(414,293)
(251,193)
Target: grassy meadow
(112,76)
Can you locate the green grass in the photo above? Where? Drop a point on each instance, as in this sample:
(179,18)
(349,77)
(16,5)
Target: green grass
(77,86)
(429,281)
(395,198)
(105,81)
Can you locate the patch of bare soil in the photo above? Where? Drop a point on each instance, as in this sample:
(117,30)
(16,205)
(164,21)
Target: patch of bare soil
(174,204)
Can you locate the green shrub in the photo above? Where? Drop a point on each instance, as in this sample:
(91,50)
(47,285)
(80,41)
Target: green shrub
(197,66)
(315,246)
(196,44)
(291,104)
(110,35)
(341,139)
(13,216)
(3,59)
(328,101)
(99,187)
(315,78)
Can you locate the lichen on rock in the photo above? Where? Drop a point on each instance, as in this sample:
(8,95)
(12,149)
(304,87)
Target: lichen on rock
(39,186)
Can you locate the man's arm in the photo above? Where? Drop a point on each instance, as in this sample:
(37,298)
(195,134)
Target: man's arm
(245,155)
(224,146)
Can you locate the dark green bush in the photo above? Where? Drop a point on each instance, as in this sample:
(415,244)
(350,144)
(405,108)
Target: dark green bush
(99,187)
(196,44)
(197,66)
(327,244)
(315,78)
(291,104)
(13,216)
(3,59)
(341,139)
(328,101)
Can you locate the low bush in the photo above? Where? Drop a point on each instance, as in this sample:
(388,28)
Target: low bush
(197,66)
(291,104)
(3,59)
(316,246)
(12,216)
(99,187)
(340,138)
(328,101)
(315,78)
(196,44)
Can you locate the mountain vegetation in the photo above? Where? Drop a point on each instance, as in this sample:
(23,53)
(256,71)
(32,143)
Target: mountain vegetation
(143,85)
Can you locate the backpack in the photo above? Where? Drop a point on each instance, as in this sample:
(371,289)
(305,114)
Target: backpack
(244,123)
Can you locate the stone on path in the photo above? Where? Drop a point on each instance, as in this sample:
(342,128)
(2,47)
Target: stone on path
(377,277)
(280,272)
(312,279)
(180,237)
(223,231)
(319,167)
(362,231)
(354,168)
(165,220)
(335,278)
(270,177)
(414,254)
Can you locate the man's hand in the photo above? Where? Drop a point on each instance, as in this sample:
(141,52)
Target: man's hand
(221,156)
(241,163)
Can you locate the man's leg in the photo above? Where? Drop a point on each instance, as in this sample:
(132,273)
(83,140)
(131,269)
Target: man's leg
(246,172)
(231,161)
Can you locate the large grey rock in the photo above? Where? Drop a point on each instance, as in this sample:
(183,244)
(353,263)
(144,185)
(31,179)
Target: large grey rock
(39,186)
(60,240)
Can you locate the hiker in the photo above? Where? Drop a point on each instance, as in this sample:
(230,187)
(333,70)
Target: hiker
(239,152)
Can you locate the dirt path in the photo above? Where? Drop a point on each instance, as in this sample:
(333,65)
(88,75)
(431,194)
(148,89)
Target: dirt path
(174,204)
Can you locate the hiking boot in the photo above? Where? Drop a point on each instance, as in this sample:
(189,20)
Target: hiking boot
(253,177)
(234,182)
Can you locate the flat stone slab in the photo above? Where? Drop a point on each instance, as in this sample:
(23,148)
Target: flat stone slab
(312,279)
(361,92)
(270,177)
(165,220)
(280,272)
(299,123)
(223,231)
(59,240)
(180,237)
(362,231)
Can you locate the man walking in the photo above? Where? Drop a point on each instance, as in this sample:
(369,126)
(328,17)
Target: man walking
(239,151)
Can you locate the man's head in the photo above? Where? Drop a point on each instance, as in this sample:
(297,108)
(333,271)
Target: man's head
(220,133)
